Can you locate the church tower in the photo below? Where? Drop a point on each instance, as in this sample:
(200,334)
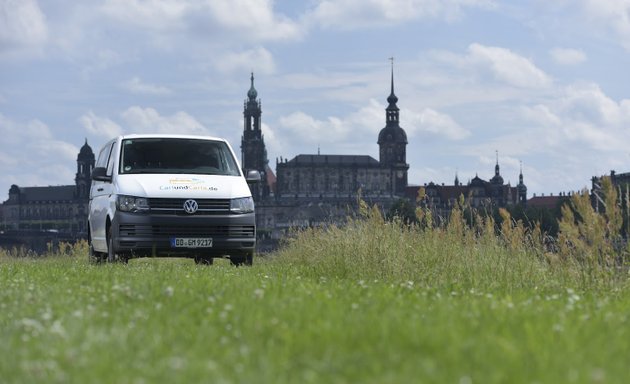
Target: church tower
(85,165)
(522,188)
(392,142)
(253,151)
(497,179)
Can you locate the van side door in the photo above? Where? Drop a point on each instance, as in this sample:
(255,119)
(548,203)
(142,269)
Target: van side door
(100,192)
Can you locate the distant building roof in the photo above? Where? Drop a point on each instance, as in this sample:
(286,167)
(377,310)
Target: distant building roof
(54,193)
(334,160)
(447,192)
(547,202)
(271,178)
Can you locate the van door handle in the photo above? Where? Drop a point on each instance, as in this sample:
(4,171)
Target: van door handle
(99,189)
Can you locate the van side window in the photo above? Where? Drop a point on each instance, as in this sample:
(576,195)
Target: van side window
(110,161)
(105,158)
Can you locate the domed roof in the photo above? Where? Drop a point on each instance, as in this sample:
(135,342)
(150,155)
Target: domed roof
(497,179)
(392,99)
(252,93)
(477,182)
(86,151)
(392,133)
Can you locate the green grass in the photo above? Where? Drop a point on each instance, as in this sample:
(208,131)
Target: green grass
(375,302)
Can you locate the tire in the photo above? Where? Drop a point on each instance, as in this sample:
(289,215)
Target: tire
(95,257)
(112,256)
(203,260)
(246,259)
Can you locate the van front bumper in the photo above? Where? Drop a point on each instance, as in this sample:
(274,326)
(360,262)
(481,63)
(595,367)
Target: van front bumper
(139,234)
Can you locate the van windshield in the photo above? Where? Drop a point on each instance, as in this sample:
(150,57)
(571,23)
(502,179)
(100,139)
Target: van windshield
(171,155)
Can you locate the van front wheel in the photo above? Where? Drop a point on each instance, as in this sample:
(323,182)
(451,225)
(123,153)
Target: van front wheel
(112,257)
(246,259)
(95,257)
(203,260)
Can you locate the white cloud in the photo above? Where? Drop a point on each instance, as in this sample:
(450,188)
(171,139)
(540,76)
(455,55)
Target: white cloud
(250,19)
(508,66)
(542,115)
(148,120)
(99,125)
(359,129)
(567,56)
(100,61)
(22,24)
(432,122)
(587,102)
(142,120)
(582,117)
(593,118)
(253,18)
(137,86)
(259,60)
(611,14)
(30,153)
(350,14)
(310,130)
(150,14)
(272,142)
(355,130)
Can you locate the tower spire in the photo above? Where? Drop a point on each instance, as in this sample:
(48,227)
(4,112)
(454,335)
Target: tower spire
(252,93)
(496,167)
(392,61)
(522,188)
(392,99)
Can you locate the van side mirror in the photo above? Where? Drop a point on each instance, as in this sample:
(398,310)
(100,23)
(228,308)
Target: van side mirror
(253,176)
(100,174)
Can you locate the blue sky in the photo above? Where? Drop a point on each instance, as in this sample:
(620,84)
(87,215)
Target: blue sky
(543,82)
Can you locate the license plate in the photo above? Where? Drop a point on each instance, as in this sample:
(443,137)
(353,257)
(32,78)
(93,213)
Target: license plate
(191,242)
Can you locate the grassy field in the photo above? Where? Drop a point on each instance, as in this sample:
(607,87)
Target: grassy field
(374,302)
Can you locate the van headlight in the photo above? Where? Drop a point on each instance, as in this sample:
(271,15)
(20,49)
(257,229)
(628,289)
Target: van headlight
(242,205)
(132,204)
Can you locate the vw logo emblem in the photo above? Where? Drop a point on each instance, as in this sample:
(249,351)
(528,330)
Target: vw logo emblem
(190,206)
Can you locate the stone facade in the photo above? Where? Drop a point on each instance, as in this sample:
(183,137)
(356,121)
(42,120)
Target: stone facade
(63,208)
(320,189)
(333,177)
(478,193)
(317,189)
(621,181)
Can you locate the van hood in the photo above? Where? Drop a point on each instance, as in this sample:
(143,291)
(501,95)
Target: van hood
(183,186)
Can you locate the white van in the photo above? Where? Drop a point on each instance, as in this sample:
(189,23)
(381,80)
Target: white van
(170,195)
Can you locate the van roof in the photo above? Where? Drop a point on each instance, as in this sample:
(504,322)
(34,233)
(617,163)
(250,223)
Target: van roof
(170,136)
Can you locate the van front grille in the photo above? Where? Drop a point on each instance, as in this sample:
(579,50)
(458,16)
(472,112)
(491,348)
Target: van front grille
(176,206)
(148,230)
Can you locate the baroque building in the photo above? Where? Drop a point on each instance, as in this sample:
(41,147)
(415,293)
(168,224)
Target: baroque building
(314,189)
(477,193)
(62,208)
(333,177)
(319,189)
(620,181)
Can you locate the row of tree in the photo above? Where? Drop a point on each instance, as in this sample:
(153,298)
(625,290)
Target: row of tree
(579,210)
